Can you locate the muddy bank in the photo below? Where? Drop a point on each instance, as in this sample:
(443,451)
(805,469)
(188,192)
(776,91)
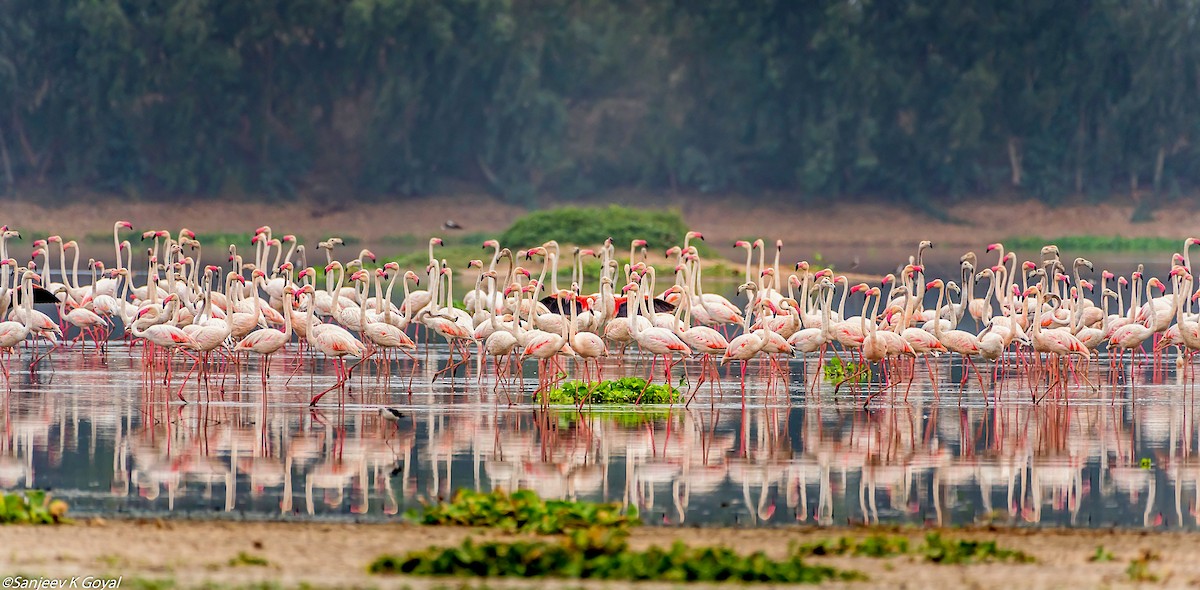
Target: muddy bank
(804,227)
(192,553)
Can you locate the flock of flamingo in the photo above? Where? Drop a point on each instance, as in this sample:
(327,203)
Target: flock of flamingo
(1034,320)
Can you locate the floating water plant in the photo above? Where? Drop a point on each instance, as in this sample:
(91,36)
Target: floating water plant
(626,390)
(602,554)
(523,511)
(839,372)
(31,507)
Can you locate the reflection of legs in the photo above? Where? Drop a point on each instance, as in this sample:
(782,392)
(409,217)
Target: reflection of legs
(340,366)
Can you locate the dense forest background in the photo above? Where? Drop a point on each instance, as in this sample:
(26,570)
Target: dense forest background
(906,99)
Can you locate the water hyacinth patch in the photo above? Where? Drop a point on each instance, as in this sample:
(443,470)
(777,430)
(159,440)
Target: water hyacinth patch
(524,512)
(627,390)
(604,555)
(31,507)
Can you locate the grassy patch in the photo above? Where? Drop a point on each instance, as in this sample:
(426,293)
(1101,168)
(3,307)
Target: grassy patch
(604,555)
(1096,243)
(243,558)
(222,240)
(873,546)
(626,390)
(148,583)
(413,241)
(950,551)
(523,511)
(31,507)
(592,225)
(456,256)
(169,583)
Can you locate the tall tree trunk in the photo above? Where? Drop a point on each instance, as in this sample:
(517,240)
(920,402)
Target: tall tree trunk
(1159,162)
(32,158)
(1014,161)
(9,183)
(1080,134)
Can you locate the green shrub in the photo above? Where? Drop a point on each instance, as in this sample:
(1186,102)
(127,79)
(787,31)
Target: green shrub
(523,511)
(592,225)
(626,390)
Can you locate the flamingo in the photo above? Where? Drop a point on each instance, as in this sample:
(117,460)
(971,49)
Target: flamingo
(585,345)
(1132,335)
(168,337)
(383,333)
(808,340)
(1060,343)
(14,332)
(336,343)
(544,346)
(503,339)
(964,343)
(745,346)
(652,339)
(268,341)
(108,286)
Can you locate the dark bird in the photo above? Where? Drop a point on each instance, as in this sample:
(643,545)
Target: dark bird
(451,224)
(563,305)
(660,306)
(40,295)
(390,414)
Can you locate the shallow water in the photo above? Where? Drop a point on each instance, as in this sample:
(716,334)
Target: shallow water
(99,436)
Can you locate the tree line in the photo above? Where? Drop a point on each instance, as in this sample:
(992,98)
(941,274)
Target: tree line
(908,99)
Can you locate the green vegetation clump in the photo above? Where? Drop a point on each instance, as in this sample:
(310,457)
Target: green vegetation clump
(1092,243)
(524,512)
(602,554)
(1139,567)
(578,225)
(936,549)
(31,507)
(949,552)
(1101,555)
(626,390)
(839,372)
(873,546)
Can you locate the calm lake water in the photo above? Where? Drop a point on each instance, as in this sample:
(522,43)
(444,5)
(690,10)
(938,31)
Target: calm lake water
(100,437)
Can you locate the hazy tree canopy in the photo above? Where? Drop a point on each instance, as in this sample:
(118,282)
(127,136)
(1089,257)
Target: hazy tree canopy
(911,98)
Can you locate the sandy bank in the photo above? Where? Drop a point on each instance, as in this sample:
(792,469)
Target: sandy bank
(191,553)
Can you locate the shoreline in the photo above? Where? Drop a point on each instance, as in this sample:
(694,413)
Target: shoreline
(187,553)
(856,225)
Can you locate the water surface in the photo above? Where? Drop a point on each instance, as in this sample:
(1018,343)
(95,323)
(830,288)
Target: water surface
(111,443)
